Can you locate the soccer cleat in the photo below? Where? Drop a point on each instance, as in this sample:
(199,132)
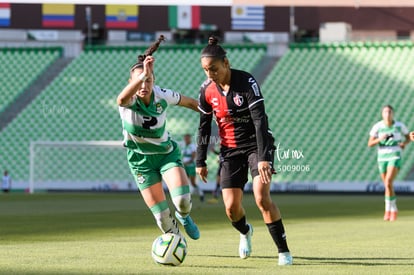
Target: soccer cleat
(387,215)
(285,258)
(393,216)
(190,227)
(245,246)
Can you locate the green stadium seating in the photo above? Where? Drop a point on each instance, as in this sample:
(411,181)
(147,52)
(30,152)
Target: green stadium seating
(324,99)
(80,105)
(20,67)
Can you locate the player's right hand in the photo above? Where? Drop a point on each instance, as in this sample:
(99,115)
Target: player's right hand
(202,172)
(149,65)
(382,137)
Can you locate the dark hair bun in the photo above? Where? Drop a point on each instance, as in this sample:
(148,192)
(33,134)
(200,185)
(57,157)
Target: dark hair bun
(212,40)
(141,58)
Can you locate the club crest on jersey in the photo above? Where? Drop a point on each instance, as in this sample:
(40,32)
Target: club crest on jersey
(158,108)
(238,100)
(140,178)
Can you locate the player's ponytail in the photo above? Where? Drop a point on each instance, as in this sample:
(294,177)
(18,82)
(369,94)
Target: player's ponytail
(213,49)
(151,49)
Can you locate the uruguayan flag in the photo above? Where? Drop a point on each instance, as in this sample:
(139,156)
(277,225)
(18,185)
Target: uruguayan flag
(247,17)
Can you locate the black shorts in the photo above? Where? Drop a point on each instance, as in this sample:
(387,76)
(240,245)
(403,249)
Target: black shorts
(234,170)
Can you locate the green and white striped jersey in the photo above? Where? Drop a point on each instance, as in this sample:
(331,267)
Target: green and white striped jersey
(187,152)
(388,148)
(144,126)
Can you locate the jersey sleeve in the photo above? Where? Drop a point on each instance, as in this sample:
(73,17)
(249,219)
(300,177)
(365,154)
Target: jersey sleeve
(193,148)
(404,129)
(264,136)
(131,102)
(172,97)
(204,129)
(374,131)
(203,104)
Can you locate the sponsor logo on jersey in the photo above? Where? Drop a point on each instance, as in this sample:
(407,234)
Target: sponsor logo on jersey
(215,101)
(255,87)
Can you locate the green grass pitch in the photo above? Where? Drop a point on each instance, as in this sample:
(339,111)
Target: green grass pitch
(112,233)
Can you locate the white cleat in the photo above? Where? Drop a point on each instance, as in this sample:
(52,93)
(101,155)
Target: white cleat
(245,246)
(285,258)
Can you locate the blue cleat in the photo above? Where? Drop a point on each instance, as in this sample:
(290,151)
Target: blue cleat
(190,227)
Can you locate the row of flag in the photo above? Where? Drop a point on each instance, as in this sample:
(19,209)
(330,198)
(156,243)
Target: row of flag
(127,16)
(242,17)
(116,16)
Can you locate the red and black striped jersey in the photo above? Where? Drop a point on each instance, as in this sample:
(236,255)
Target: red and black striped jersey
(239,114)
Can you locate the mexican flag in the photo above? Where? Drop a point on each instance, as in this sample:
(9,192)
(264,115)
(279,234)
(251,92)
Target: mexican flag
(184,17)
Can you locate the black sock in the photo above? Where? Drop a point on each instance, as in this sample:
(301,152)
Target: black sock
(241,225)
(277,231)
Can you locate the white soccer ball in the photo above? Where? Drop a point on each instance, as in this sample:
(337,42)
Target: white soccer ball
(169,249)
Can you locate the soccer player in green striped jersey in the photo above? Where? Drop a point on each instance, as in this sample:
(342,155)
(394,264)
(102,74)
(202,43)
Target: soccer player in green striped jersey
(391,137)
(152,155)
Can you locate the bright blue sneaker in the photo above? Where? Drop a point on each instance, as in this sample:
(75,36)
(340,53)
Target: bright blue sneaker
(190,227)
(245,246)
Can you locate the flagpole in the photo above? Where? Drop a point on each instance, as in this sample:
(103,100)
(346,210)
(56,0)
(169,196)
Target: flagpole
(292,24)
(88,14)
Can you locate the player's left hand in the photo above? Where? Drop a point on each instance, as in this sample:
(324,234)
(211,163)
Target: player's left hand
(265,171)
(203,173)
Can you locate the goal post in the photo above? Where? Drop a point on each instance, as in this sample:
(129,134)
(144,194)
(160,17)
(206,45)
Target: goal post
(79,165)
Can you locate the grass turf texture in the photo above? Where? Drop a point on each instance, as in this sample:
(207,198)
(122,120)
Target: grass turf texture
(113,233)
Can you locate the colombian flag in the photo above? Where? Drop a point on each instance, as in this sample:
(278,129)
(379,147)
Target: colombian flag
(58,15)
(4,14)
(121,16)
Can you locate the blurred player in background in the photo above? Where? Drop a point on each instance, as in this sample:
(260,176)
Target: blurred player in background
(152,155)
(235,100)
(391,137)
(217,189)
(189,150)
(6,182)
(412,136)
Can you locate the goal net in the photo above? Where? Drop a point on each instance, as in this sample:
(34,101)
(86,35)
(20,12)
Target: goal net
(79,165)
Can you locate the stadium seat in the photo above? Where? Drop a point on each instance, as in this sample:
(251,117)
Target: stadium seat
(333,95)
(80,104)
(20,68)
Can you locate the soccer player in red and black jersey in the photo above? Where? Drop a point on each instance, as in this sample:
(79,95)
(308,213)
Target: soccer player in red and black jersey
(234,98)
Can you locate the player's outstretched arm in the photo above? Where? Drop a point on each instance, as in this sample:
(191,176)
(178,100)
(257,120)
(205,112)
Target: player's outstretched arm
(189,102)
(406,141)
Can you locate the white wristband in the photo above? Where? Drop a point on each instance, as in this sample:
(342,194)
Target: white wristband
(142,77)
